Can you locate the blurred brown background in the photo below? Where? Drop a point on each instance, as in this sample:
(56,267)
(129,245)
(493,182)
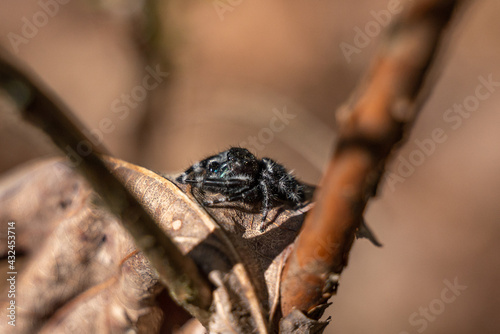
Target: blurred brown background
(271,75)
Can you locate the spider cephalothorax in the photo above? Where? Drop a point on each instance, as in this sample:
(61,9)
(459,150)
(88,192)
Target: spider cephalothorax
(239,176)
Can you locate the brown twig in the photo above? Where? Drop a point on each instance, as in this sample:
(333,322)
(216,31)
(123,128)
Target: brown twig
(40,107)
(368,130)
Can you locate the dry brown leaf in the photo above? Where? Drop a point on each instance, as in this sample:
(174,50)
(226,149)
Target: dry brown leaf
(84,274)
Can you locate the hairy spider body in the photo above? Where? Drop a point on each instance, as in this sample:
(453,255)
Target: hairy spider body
(238,175)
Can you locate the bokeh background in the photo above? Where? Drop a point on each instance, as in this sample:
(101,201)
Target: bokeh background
(269,75)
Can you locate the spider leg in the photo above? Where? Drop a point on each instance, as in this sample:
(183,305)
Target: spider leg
(196,169)
(265,205)
(195,181)
(182,178)
(235,197)
(217,182)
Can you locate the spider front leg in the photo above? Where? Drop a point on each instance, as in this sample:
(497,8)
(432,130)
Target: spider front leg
(224,183)
(240,195)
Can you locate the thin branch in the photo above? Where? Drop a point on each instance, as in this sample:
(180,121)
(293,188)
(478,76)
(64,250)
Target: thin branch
(43,109)
(369,128)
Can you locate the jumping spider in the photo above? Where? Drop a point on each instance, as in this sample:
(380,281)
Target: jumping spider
(239,176)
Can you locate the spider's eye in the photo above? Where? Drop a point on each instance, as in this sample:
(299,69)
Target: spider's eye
(214,167)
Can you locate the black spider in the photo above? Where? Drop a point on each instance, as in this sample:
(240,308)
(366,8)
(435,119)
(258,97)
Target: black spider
(239,176)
